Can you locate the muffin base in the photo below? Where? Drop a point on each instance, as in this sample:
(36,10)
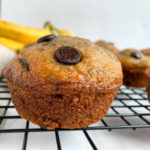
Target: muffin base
(60,111)
(134,79)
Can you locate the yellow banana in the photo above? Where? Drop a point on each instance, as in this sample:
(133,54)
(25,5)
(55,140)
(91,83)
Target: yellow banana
(11,44)
(21,33)
(58,31)
(65,32)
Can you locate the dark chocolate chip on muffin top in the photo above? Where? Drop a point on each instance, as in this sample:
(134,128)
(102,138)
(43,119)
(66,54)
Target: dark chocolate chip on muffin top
(68,55)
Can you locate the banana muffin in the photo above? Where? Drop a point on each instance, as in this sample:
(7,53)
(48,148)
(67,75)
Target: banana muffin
(135,66)
(146,52)
(63,82)
(107,45)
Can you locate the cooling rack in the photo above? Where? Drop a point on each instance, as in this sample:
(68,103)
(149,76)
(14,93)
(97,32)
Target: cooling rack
(130,110)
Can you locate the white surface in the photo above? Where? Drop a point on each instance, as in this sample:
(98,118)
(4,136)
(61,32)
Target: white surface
(124,22)
(5,56)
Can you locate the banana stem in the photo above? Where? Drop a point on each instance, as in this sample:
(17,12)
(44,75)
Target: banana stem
(51,27)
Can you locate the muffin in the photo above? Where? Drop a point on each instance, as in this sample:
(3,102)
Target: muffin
(146,52)
(136,67)
(63,82)
(107,45)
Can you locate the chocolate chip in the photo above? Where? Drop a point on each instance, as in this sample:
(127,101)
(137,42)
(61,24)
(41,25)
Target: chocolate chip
(128,83)
(67,55)
(46,38)
(135,55)
(58,96)
(25,64)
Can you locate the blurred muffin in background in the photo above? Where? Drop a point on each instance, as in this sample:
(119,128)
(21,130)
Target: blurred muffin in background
(136,67)
(146,51)
(107,45)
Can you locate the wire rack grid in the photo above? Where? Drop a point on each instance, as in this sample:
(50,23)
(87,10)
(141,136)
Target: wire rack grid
(130,110)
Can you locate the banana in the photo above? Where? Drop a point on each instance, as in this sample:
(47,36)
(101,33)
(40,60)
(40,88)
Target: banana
(16,37)
(58,31)
(21,33)
(11,44)
(64,32)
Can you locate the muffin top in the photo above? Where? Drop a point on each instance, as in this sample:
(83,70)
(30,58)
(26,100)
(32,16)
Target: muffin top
(107,45)
(65,64)
(146,51)
(133,59)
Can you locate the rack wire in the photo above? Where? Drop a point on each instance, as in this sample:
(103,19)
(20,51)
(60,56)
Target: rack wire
(130,107)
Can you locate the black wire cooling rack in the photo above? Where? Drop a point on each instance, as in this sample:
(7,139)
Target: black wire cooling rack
(130,106)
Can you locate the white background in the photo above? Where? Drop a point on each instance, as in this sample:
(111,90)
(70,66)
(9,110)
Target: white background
(124,22)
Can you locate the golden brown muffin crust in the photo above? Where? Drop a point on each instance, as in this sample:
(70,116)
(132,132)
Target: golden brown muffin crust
(98,69)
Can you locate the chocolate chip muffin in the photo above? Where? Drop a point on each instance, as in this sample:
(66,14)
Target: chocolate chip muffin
(63,82)
(146,52)
(107,45)
(136,67)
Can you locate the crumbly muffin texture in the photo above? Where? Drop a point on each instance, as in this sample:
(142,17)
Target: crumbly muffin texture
(108,46)
(136,67)
(56,95)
